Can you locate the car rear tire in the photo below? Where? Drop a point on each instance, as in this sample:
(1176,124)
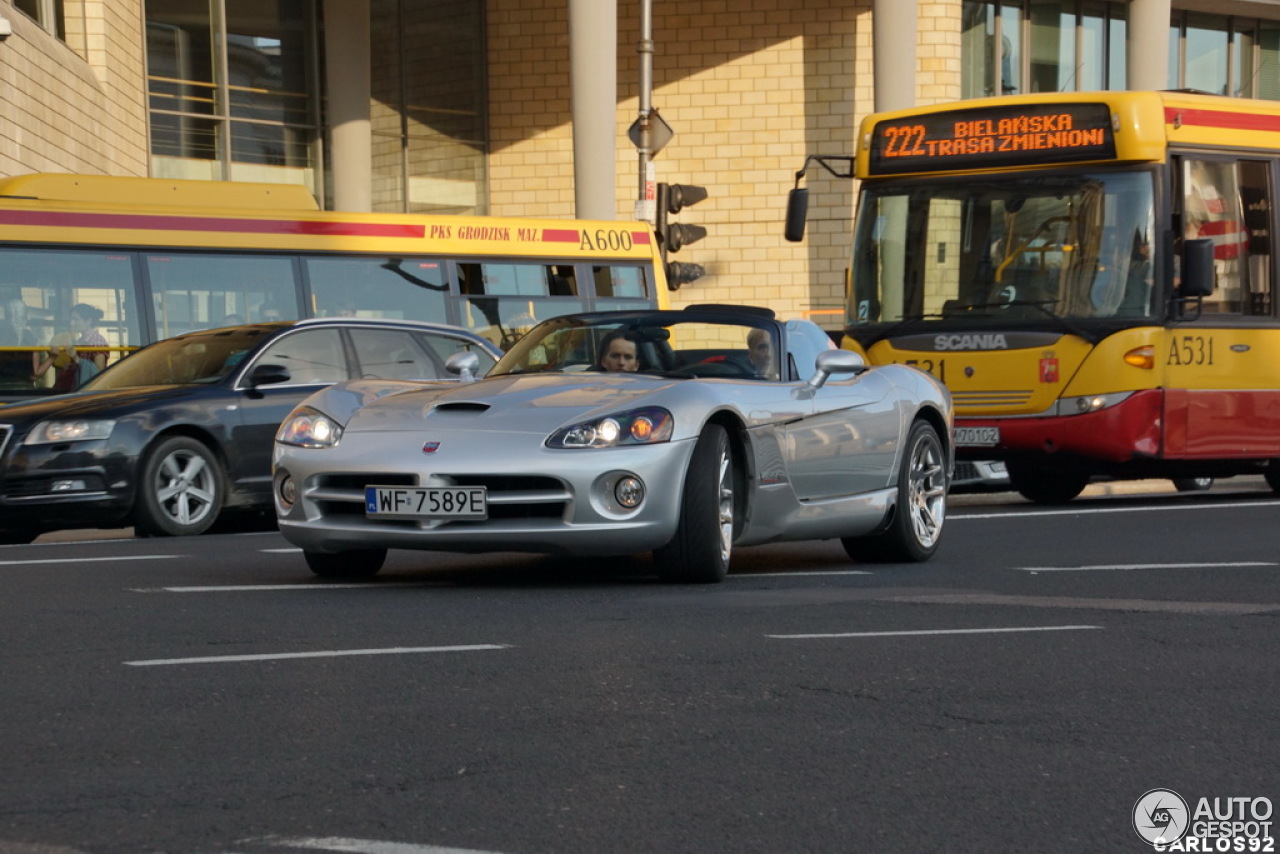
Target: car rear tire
(1192,484)
(181,491)
(1045,484)
(915,527)
(357,563)
(700,550)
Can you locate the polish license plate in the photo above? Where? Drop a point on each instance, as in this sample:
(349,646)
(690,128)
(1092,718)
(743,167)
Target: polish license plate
(426,502)
(978,437)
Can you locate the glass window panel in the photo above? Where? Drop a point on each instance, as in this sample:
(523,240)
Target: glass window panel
(396,288)
(978,48)
(1206,59)
(392,354)
(1092,69)
(37,292)
(1011,50)
(444,346)
(1117,36)
(311,356)
(1243,76)
(619,281)
(1052,45)
(1213,210)
(1269,61)
(193,291)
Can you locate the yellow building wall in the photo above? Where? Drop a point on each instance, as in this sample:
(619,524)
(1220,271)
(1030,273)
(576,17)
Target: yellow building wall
(78,105)
(751,87)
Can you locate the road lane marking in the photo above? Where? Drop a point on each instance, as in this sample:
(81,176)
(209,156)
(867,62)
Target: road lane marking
(368,846)
(253,588)
(1089,511)
(746,575)
(1127,566)
(87,559)
(934,632)
(334,653)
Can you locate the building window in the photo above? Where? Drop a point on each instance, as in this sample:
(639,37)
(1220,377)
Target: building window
(428,106)
(230,84)
(50,14)
(1224,55)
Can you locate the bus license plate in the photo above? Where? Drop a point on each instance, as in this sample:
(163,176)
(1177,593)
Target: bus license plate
(981,437)
(426,502)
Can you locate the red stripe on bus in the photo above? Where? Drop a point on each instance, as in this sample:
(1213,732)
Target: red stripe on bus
(211,224)
(1221,119)
(561,235)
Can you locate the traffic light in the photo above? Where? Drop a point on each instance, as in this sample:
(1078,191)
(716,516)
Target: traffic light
(674,236)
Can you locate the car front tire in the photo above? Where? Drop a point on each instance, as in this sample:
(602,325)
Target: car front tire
(181,491)
(699,552)
(357,563)
(1192,484)
(916,525)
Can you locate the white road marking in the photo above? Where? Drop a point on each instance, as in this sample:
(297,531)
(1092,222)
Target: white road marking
(1121,567)
(253,588)
(87,559)
(748,575)
(1089,511)
(369,846)
(934,632)
(335,653)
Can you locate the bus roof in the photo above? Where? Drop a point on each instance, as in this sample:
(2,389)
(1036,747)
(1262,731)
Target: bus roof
(157,192)
(1030,131)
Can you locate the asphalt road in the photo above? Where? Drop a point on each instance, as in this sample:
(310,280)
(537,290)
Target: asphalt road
(1022,691)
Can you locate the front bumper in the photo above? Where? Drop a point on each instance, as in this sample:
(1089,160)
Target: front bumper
(540,500)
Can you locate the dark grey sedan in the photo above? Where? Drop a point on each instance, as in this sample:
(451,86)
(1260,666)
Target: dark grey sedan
(180,432)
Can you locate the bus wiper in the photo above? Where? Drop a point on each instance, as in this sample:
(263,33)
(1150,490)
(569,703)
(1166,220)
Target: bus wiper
(1042,307)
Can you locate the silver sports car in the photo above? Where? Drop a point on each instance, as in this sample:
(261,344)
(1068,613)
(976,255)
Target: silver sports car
(684,433)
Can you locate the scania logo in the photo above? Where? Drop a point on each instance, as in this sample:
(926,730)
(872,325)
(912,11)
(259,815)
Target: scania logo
(430,447)
(982,341)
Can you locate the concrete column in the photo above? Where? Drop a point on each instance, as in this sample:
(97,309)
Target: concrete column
(1147,57)
(347,78)
(893,28)
(593,92)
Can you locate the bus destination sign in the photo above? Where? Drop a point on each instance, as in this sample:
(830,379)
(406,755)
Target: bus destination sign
(1015,135)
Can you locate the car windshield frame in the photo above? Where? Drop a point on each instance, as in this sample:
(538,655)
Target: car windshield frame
(669,343)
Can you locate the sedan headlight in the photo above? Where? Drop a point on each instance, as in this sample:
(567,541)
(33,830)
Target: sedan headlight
(77,430)
(638,427)
(309,428)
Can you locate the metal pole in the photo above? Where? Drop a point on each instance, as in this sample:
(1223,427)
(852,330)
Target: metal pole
(646,106)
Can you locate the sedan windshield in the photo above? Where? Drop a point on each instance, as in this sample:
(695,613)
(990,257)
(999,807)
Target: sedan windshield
(203,358)
(650,344)
(1071,245)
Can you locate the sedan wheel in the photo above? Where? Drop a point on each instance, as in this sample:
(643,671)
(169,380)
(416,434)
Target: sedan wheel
(357,563)
(916,525)
(699,552)
(181,489)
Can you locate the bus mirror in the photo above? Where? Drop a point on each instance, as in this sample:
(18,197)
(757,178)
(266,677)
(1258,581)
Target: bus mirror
(797,210)
(1197,268)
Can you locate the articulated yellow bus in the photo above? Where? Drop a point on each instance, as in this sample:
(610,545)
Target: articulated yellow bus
(152,258)
(1090,274)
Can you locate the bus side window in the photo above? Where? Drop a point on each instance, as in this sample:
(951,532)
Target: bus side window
(1227,202)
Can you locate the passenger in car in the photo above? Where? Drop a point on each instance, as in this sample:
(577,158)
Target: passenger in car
(760,353)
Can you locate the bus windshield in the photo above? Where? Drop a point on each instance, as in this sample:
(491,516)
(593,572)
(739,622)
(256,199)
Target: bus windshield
(1070,245)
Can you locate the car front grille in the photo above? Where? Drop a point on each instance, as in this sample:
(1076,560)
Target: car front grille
(509,497)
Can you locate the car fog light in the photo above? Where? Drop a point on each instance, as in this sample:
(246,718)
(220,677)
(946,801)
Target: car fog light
(288,490)
(68,486)
(629,491)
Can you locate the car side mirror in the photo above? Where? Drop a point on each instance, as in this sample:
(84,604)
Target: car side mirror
(463,365)
(831,362)
(266,374)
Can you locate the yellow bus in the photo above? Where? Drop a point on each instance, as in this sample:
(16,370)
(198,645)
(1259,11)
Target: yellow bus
(151,258)
(1089,273)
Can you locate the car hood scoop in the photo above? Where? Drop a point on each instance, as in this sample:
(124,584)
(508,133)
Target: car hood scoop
(461,407)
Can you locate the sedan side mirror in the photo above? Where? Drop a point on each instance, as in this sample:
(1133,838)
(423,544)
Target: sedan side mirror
(265,374)
(835,362)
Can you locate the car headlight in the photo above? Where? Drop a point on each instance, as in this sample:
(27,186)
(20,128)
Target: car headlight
(76,430)
(309,428)
(639,427)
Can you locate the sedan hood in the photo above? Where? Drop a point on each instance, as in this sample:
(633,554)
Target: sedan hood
(522,404)
(91,404)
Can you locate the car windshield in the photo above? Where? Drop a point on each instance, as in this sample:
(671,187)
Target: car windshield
(203,358)
(649,344)
(1068,246)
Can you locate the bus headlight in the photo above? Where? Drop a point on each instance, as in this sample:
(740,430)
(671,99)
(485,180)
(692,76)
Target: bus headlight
(1091,403)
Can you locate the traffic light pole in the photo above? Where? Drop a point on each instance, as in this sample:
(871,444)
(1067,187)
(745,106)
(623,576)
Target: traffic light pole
(644,201)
